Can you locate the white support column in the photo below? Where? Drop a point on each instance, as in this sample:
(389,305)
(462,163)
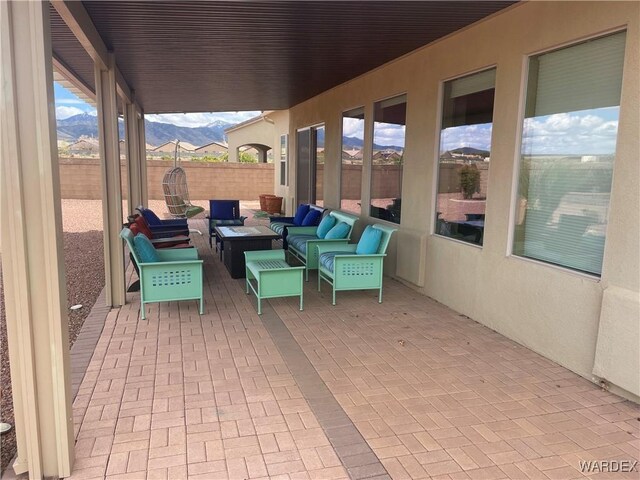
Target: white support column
(111,187)
(142,143)
(33,265)
(133,156)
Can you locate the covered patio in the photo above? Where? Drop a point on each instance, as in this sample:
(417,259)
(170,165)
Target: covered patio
(410,388)
(406,389)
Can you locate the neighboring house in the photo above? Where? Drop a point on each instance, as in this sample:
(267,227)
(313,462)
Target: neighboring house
(215,149)
(87,146)
(170,147)
(256,133)
(352,154)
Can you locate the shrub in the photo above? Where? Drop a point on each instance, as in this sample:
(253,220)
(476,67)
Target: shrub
(469,181)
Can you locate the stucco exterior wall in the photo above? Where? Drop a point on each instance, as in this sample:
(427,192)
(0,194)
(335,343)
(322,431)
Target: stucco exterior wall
(80,178)
(556,312)
(260,132)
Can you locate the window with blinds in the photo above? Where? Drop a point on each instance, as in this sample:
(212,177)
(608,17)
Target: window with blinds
(568,151)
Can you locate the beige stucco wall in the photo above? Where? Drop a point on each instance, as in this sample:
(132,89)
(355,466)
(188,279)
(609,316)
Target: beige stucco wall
(553,311)
(260,132)
(281,127)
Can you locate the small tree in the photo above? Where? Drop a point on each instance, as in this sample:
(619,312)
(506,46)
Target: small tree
(469,181)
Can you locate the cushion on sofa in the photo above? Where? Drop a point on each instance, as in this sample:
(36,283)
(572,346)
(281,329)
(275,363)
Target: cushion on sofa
(312,219)
(369,241)
(326,224)
(327,259)
(340,231)
(299,242)
(145,249)
(302,211)
(279,227)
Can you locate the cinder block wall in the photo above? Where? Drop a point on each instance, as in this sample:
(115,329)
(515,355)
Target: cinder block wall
(80,178)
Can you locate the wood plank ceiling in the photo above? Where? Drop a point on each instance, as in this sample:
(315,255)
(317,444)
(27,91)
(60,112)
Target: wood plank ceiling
(195,56)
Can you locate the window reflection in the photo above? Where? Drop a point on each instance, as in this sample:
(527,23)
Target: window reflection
(390,118)
(465,154)
(351,169)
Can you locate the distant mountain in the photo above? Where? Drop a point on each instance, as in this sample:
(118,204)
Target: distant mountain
(471,151)
(354,142)
(157,133)
(72,128)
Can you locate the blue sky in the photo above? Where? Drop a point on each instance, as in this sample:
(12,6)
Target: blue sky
(68,105)
(584,132)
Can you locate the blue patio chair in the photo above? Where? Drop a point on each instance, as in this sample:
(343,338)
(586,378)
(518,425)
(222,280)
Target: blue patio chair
(355,266)
(154,221)
(165,275)
(223,213)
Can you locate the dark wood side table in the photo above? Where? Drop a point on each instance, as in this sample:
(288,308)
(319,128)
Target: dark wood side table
(238,240)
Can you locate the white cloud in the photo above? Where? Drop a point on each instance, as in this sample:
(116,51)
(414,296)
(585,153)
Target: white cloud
(200,119)
(475,136)
(70,101)
(63,112)
(576,133)
(353,127)
(389,134)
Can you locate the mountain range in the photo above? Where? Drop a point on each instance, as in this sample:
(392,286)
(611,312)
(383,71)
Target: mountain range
(72,128)
(157,133)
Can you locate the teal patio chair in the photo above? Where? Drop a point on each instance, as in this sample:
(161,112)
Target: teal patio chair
(175,275)
(345,269)
(302,241)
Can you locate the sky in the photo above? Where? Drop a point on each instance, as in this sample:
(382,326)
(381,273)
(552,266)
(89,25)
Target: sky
(68,105)
(584,132)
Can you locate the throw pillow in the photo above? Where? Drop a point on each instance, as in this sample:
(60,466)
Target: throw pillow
(311,220)
(145,249)
(302,211)
(369,241)
(326,224)
(341,230)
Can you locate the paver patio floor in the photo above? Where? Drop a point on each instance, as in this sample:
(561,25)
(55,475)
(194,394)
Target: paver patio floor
(406,389)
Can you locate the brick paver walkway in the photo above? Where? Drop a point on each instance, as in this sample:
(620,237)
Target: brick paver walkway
(408,389)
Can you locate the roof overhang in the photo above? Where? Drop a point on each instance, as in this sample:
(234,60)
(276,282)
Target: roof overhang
(197,56)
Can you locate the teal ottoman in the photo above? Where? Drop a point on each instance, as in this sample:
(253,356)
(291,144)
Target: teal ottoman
(272,275)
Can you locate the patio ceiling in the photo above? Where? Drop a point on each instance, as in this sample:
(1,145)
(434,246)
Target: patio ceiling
(217,56)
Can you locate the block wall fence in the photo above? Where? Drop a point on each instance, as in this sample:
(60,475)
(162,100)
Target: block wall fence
(80,179)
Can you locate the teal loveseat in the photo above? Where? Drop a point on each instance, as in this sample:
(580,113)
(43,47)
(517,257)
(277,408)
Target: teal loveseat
(303,241)
(341,266)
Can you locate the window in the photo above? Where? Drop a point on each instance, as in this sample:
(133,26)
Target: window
(390,118)
(319,162)
(351,171)
(310,150)
(283,159)
(567,154)
(465,153)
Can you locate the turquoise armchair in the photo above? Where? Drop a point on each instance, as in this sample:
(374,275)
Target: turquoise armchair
(303,241)
(340,266)
(178,276)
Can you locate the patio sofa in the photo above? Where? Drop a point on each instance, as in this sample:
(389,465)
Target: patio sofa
(334,229)
(307,215)
(355,266)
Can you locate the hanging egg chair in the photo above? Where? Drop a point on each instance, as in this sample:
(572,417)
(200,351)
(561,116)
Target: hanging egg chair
(176,192)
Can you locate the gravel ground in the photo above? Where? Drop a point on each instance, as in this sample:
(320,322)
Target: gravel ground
(84,264)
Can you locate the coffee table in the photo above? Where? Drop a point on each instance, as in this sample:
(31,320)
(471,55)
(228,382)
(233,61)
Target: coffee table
(238,240)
